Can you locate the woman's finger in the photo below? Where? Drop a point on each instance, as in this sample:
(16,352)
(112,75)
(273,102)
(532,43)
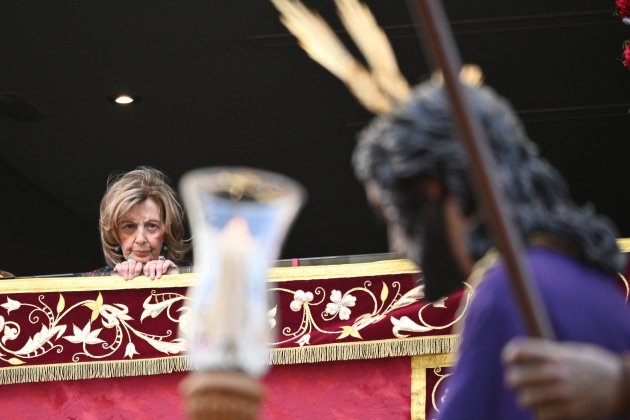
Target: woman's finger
(137,269)
(159,269)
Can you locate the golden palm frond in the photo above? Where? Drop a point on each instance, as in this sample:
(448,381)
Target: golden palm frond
(322,44)
(381,87)
(375,47)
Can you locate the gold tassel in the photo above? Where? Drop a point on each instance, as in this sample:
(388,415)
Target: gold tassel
(432,345)
(364,350)
(89,370)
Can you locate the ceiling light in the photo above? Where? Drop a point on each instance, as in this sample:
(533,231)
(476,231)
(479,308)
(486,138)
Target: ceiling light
(123,98)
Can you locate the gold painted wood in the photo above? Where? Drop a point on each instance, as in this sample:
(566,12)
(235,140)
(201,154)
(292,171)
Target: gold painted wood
(276,274)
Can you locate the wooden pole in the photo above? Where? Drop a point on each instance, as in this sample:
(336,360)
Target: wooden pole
(435,34)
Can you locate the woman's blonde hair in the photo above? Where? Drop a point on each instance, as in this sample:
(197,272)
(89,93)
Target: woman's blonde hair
(125,191)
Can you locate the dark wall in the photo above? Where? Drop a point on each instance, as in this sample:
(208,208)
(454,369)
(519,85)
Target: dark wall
(38,235)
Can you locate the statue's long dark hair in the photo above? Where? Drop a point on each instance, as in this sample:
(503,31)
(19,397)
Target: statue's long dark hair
(418,139)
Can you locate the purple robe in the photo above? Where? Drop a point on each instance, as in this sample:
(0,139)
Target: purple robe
(584,305)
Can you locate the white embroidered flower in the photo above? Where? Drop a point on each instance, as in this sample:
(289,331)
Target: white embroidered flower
(406,324)
(178,345)
(271,316)
(340,305)
(84,335)
(11,305)
(305,339)
(9,334)
(130,350)
(44,336)
(299,299)
(1,322)
(155,309)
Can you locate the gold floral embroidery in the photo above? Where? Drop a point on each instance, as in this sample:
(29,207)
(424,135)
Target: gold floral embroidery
(114,316)
(340,306)
(407,324)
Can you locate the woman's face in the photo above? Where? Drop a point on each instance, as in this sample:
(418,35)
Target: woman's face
(141,232)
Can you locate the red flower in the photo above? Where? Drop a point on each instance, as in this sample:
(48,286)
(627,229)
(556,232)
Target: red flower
(623,8)
(626,55)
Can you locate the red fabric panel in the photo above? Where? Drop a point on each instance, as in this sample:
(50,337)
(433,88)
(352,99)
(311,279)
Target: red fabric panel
(375,388)
(140,397)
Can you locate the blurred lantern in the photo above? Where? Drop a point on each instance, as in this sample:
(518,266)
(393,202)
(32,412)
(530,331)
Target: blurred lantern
(239,218)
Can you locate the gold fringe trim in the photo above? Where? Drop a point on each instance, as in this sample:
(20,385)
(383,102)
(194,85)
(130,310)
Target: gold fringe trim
(90,370)
(364,350)
(309,354)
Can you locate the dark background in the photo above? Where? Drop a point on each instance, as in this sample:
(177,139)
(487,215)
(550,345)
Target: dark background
(223,83)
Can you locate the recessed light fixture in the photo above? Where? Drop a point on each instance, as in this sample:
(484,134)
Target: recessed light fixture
(123,98)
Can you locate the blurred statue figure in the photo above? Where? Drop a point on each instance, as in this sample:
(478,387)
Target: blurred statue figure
(415,171)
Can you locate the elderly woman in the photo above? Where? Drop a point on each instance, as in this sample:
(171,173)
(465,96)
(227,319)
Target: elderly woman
(141,226)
